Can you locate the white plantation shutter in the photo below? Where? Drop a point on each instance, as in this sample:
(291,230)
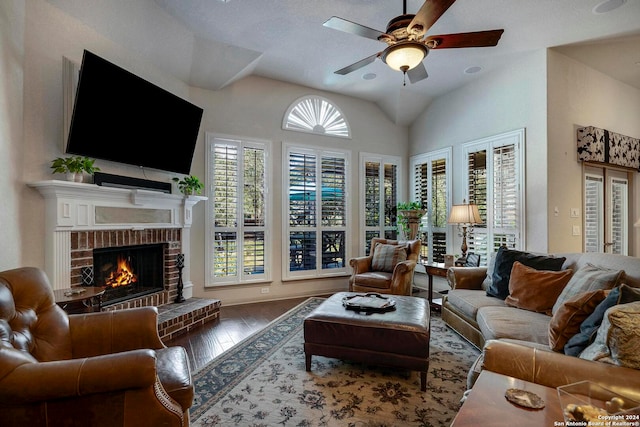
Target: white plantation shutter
(619,216)
(316,203)
(495,172)
(379,189)
(593,213)
(238,188)
(606,210)
(431,183)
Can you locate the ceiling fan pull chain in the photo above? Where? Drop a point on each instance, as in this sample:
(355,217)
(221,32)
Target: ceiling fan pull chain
(404,78)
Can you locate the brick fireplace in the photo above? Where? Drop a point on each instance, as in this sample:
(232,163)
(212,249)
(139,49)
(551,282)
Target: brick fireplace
(83,271)
(81,218)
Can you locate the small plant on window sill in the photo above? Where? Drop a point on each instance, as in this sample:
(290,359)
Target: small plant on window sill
(189,185)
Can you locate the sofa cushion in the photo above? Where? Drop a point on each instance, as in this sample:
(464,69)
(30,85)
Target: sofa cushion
(566,322)
(504,263)
(510,322)
(590,325)
(385,257)
(468,301)
(589,278)
(618,338)
(535,290)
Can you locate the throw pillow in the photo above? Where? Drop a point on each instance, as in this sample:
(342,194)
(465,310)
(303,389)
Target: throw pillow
(385,257)
(628,294)
(505,258)
(567,320)
(589,278)
(589,327)
(618,338)
(535,290)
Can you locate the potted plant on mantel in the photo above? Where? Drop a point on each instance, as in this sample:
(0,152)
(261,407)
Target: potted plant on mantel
(189,185)
(409,215)
(74,167)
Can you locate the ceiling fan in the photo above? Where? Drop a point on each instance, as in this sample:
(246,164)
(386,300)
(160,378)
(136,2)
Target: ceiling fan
(405,37)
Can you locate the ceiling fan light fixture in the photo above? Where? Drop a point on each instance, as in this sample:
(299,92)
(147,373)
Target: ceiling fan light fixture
(404,56)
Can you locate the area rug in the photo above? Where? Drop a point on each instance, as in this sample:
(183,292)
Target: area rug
(262,382)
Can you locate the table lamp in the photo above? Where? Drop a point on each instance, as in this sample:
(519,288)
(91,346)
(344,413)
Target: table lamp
(464,216)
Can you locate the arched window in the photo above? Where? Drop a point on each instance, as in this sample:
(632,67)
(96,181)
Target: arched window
(314,114)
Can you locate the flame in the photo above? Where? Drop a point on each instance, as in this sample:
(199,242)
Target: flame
(123,275)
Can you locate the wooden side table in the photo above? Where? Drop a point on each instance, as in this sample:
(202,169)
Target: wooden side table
(434,269)
(79,299)
(487,406)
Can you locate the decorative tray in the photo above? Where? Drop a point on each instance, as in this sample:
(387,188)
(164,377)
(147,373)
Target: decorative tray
(370,303)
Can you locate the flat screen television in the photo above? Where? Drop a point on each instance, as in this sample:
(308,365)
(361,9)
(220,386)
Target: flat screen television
(121,117)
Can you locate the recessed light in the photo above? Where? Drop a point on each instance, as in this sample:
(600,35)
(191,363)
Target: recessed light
(607,6)
(369,76)
(473,70)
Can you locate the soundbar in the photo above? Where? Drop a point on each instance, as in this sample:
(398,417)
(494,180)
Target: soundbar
(118,181)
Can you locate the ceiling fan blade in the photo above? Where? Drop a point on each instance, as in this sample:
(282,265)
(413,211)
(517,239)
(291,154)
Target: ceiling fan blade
(429,13)
(418,73)
(351,27)
(475,39)
(356,66)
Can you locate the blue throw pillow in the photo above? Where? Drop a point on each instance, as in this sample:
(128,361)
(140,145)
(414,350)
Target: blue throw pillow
(505,258)
(589,327)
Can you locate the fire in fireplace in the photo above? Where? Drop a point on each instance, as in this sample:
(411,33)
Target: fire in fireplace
(128,272)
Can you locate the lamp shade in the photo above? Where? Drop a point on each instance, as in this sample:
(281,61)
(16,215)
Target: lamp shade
(404,56)
(465,214)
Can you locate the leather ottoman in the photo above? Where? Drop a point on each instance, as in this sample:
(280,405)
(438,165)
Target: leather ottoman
(398,338)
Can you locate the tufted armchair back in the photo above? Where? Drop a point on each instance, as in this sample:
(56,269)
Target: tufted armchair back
(32,327)
(97,369)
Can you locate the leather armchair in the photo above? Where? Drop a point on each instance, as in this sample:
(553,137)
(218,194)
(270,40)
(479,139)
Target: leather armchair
(399,282)
(96,369)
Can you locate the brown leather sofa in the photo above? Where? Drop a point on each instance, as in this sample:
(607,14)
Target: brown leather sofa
(96,369)
(398,282)
(515,342)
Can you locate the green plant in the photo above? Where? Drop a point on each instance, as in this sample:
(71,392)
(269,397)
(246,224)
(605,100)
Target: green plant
(74,164)
(402,219)
(189,185)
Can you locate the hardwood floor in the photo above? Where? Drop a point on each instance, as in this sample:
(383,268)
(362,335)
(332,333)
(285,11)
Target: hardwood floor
(236,323)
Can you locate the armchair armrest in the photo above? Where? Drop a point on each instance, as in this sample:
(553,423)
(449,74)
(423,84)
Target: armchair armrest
(402,277)
(553,369)
(40,381)
(466,277)
(94,334)
(360,264)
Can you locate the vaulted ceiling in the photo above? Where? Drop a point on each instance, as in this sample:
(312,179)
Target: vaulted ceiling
(285,40)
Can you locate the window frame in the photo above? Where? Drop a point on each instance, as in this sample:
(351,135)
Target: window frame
(517,139)
(445,154)
(210,228)
(382,160)
(319,271)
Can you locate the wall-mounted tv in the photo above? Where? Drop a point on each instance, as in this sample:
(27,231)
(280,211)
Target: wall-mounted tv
(121,117)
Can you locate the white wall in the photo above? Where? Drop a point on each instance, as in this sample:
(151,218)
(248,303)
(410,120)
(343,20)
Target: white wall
(12,15)
(252,107)
(581,96)
(508,99)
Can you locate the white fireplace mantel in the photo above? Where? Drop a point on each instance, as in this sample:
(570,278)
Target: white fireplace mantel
(72,206)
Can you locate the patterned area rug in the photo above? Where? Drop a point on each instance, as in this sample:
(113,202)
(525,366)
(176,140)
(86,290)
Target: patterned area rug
(262,382)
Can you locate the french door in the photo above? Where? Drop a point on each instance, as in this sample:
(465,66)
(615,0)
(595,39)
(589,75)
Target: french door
(606,210)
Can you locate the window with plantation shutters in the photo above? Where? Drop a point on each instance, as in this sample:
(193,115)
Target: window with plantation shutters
(606,210)
(316,205)
(238,235)
(431,186)
(494,176)
(379,189)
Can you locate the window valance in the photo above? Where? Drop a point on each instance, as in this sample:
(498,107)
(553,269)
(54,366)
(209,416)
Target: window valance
(603,146)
